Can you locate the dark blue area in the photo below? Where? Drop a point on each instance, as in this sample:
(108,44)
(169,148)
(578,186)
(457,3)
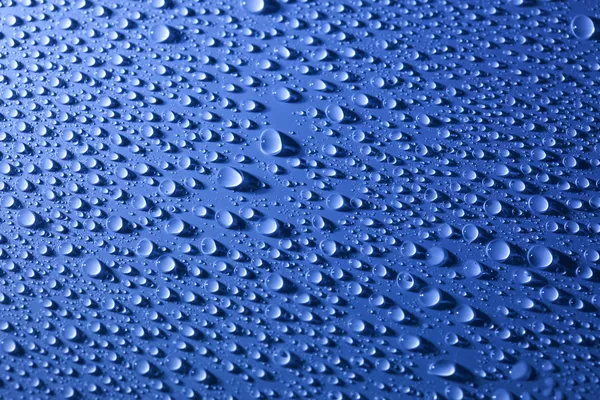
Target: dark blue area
(299,199)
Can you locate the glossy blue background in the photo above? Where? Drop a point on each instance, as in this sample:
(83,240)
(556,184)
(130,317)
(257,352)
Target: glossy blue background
(299,199)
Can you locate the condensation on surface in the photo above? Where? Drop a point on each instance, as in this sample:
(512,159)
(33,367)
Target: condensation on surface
(299,199)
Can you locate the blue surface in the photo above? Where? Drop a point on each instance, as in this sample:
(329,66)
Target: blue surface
(299,199)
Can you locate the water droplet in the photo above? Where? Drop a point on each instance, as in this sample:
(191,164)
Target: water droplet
(442,368)
(583,27)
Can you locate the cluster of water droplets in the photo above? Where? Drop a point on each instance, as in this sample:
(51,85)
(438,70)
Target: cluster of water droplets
(299,199)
